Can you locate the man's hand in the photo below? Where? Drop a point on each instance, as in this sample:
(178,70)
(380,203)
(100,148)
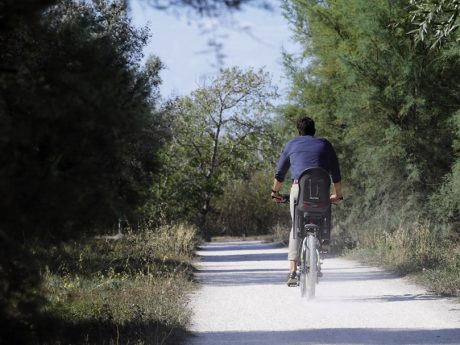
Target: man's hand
(277,197)
(335,198)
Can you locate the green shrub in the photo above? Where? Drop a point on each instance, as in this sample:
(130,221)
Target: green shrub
(445,279)
(245,208)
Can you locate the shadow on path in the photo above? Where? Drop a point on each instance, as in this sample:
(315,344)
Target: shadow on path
(250,253)
(244,257)
(349,336)
(403,298)
(339,276)
(242,277)
(250,245)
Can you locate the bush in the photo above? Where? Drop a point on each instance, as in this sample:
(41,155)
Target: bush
(245,208)
(445,279)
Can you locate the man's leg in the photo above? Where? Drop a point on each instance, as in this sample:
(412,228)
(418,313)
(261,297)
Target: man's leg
(292,253)
(326,231)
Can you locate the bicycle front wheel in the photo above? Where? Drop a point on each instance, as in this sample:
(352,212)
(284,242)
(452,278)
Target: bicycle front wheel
(312,267)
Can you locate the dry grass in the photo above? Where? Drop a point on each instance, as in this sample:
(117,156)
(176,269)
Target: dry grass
(263,238)
(132,291)
(280,233)
(416,249)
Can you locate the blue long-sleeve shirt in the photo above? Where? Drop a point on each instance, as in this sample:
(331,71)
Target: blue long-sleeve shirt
(308,152)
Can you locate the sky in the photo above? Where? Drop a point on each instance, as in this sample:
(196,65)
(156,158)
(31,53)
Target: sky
(180,43)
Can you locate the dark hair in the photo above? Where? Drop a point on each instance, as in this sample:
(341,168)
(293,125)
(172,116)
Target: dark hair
(306,126)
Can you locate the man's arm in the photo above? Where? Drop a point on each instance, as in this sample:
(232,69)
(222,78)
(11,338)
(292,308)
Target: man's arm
(276,189)
(283,165)
(335,174)
(334,167)
(338,192)
(281,170)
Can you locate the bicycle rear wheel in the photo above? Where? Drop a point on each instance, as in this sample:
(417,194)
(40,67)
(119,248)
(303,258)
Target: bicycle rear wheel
(303,268)
(312,267)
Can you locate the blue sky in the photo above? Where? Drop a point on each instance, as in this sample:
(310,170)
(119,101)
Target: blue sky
(179,42)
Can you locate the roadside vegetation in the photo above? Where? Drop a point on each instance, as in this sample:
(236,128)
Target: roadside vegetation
(128,291)
(381,79)
(81,128)
(87,143)
(429,258)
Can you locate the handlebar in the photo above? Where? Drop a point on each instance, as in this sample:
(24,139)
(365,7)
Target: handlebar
(285,198)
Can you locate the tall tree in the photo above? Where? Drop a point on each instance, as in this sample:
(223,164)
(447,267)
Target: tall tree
(78,125)
(215,131)
(437,25)
(79,134)
(386,102)
(436,20)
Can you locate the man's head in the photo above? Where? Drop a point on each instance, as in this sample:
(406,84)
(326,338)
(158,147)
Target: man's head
(306,126)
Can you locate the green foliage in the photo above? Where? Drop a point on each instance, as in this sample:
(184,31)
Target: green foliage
(445,279)
(416,247)
(20,296)
(27,11)
(129,291)
(245,208)
(390,107)
(220,132)
(77,125)
(79,135)
(436,21)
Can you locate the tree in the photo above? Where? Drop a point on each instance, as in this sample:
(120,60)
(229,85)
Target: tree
(219,133)
(79,129)
(78,125)
(208,7)
(386,103)
(436,20)
(438,26)
(14,11)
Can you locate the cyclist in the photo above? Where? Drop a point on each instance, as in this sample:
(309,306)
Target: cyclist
(300,153)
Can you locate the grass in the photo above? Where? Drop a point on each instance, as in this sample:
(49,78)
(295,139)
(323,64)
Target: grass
(280,233)
(423,252)
(263,238)
(131,291)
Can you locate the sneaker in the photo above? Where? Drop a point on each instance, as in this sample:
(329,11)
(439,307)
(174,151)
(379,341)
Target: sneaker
(292,279)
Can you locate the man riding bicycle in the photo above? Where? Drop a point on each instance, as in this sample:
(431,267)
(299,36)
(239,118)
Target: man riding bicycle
(300,153)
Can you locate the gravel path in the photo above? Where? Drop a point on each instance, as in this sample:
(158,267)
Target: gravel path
(243,299)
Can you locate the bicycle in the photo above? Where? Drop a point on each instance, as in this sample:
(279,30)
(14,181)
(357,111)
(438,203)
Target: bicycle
(312,214)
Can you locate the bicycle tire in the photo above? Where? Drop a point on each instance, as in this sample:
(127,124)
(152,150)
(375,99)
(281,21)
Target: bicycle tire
(303,268)
(312,267)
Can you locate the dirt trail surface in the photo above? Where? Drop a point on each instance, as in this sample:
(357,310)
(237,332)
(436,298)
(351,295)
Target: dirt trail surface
(243,299)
